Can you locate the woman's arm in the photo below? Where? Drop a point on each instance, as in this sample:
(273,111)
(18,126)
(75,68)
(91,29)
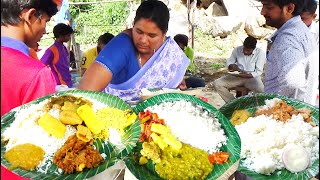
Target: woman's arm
(96,78)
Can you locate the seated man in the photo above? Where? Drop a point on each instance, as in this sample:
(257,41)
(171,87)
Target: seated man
(248,61)
(190,81)
(90,55)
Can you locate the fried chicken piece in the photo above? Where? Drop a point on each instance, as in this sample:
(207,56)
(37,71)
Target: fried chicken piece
(281,111)
(75,155)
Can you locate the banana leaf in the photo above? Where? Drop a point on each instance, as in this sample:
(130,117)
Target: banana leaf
(223,171)
(113,153)
(250,103)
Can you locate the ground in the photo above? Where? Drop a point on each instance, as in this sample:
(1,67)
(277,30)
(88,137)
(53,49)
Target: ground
(213,97)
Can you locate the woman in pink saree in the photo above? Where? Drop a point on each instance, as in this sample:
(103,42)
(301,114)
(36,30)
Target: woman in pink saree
(141,57)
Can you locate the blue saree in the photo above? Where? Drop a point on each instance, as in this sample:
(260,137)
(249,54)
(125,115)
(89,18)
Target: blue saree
(165,69)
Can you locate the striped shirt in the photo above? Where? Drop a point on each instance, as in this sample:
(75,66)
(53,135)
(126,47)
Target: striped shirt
(57,57)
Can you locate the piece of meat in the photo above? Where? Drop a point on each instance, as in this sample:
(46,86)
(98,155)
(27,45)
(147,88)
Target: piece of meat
(75,155)
(281,111)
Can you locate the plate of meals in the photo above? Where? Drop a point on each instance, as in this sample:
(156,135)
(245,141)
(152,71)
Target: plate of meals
(279,136)
(68,135)
(183,137)
(235,73)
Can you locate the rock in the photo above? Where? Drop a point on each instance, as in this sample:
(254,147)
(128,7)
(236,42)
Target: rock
(215,10)
(178,23)
(199,15)
(236,8)
(206,3)
(221,26)
(253,27)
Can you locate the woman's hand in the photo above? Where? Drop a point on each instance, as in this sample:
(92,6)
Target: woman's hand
(183,85)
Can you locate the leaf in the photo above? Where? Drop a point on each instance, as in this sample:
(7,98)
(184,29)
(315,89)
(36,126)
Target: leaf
(129,139)
(233,144)
(251,102)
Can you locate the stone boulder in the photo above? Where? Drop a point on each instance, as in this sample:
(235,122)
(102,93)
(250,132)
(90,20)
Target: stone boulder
(253,26)
(221,26)
(178,23)
(215,10)
(236,8)
(206,3)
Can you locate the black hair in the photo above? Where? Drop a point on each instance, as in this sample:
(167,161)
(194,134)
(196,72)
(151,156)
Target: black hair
(310,6)
(298,5)
(11,9)
(156,11)
(250,42)
(105,38)
(61,30)
(181,38)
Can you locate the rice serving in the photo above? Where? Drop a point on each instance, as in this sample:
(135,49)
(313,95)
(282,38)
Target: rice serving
(191,124)
(263,140)
(25,129)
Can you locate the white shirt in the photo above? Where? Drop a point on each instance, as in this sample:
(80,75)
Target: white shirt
(314,29)
(253,63)
(288,60)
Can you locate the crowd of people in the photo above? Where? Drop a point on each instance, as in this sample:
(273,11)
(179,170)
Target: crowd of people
(145,57)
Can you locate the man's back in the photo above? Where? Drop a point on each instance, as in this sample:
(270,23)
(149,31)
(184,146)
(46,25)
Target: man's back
(314,28)
(23,79)
(57,57)
(88,57)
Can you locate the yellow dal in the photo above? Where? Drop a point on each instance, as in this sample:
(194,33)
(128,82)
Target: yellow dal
(189,163)
(25,156)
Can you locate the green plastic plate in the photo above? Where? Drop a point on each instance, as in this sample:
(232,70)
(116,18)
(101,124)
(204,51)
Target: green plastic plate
(113,152)
(250,103)
(233,144)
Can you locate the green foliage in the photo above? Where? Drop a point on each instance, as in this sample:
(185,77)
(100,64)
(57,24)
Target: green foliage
(192,68)
(98,19)
(217,66)
(207,44)
(203,43)
(76,10)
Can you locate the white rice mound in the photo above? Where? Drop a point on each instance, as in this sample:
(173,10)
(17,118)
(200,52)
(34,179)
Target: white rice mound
(264,139)
(191,124)
(25,129)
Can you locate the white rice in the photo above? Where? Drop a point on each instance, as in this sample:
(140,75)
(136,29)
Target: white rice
(25,129)
(264,139)
(270,103)
(191,124)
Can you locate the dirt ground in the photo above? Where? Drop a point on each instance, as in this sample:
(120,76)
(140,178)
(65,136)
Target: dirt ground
(208,92)
(213,97)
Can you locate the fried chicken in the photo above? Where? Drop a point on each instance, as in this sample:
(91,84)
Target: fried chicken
(281,111)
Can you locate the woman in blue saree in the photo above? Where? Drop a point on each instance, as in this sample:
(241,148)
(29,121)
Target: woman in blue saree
(141,57)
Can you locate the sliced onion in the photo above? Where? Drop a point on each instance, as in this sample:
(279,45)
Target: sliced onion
(295,158)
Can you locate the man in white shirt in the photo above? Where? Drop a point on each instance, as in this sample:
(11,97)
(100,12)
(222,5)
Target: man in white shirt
(308,17)
(246,63)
